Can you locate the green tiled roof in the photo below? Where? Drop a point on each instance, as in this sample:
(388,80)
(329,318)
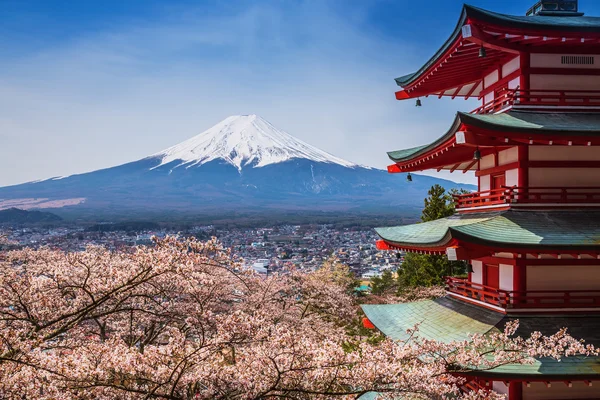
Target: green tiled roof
(430,233)
(515,228)
(551,23)
(406,153)
(532,123)
(436,319)
(447,320)
(577,23)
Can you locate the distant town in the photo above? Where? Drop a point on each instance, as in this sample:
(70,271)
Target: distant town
(266,250)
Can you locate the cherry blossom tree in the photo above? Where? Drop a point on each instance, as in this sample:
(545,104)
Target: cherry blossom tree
(184,319)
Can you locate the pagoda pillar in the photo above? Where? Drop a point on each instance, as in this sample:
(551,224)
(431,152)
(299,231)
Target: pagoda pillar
(525,71)
(523,166)
(519,281)
(515,391)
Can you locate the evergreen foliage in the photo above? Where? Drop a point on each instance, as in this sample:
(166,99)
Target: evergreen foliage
(382,284)
(429,270)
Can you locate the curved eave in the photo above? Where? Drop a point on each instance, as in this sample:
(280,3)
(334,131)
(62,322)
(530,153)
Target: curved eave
(406,80)
(516,128)
(492,31)
(428,236)
(413,153)
(519,231)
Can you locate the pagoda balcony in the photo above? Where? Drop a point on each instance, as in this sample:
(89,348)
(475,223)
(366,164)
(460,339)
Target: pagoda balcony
(563,100)
(529,196)
(530,300)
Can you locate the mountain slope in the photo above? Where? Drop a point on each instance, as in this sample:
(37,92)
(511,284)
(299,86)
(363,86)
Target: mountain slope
(17,216)
(242,164)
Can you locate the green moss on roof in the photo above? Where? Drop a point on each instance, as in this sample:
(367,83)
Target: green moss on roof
(513,228)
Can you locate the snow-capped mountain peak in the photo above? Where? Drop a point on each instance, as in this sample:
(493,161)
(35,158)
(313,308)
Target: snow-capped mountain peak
(244,140)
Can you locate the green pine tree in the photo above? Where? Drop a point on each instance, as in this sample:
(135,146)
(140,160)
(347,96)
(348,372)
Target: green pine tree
(381,284)
(428,270)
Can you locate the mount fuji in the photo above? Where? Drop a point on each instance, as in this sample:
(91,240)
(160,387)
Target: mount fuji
(242,164)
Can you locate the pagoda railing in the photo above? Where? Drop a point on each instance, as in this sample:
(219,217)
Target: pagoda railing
(531,299)
(529,195)
(507,98)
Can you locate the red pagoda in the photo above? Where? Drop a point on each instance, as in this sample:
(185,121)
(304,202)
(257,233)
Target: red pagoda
(531,233)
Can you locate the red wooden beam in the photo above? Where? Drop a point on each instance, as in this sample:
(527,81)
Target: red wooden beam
(458,89)
(367,323)
(393,169)
(564,71)
(382,245)
(503,81)
(454,167)
(498,169)
(472,33)
(475,85)
(402,95)
(469,138)
(469,166)
(564,164)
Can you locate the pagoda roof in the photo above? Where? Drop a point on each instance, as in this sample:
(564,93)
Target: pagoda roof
(513,229)
(570,124)
(530,124)
(447,319)
(490,29)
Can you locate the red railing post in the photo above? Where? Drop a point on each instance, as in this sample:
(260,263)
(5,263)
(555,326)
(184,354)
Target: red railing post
(523,299)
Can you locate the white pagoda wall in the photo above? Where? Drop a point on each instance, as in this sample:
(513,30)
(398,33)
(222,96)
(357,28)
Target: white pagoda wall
(564,177)
(563,277)
(505,272)
(506,277)
(553,60)
(564,153)
(559,390)
(505,157)
(494,76)
(511,66)
(500,387)
(477,274)
(559,81)
(564,82)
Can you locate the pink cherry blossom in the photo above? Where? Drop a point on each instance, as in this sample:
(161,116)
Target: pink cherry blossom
(185,320)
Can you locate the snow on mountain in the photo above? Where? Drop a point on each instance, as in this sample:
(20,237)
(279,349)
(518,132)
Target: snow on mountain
(243,140)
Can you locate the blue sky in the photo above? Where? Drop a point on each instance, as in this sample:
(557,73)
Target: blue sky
(91,84)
